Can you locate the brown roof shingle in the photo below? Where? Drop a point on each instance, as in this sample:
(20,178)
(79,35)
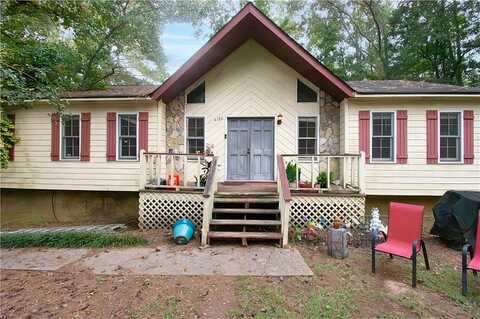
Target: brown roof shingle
(408,87)
(116,91)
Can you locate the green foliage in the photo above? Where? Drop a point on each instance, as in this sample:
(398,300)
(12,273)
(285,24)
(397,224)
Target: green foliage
(291,171)
(70,240)
(7,139)
(328,304)
(322,179)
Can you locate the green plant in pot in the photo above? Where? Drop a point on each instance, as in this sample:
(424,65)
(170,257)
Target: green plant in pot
(291,171)
(322,179)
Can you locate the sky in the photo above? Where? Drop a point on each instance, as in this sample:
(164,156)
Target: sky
(179,43)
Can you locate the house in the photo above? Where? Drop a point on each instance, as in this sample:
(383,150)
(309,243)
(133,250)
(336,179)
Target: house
(251,125)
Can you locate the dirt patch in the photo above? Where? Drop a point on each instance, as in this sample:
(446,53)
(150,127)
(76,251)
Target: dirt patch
(339,288)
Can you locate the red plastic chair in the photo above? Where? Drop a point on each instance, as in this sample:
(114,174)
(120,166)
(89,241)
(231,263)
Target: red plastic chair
(405,224)
(474,264)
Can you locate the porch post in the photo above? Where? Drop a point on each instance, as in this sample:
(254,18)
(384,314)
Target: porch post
(361,173)
(143,170)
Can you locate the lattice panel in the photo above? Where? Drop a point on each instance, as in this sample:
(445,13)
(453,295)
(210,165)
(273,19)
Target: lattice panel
(161,210)
(323,210)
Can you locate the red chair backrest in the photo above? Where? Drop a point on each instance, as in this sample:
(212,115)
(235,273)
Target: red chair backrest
(405,222)
(477,242)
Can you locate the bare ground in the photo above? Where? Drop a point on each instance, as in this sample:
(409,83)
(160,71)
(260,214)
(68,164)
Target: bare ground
(339,289)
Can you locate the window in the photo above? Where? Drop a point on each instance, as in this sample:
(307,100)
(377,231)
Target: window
(127,136)
(382,136)
(450,137)
(305,93)
(197,95)
(195,135)
(70,137)
(307,135)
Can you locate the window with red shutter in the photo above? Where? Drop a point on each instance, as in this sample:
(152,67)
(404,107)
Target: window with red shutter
(55,137)
(111,136)
(85,137)
(468,136)
(432,137)
(364,133)
(143,131)
(402,137)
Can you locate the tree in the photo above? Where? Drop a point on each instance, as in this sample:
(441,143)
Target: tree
(437,41)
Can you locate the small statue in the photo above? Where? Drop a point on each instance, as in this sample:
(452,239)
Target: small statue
(375,222)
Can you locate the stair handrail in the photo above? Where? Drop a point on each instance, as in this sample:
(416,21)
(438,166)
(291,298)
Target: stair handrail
(284,198)
(208,194)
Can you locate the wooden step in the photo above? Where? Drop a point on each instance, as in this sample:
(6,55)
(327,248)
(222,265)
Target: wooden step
(252,222)
(246,199)
(245,211)
(247,235)
(246,194)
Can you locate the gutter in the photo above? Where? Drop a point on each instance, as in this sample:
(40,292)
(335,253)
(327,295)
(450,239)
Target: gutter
(416,96)
(94,99)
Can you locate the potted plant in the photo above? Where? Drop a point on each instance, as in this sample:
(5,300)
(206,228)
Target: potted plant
(291,171)
(322,179)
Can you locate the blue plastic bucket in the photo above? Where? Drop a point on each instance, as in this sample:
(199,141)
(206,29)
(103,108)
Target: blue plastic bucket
(183,231)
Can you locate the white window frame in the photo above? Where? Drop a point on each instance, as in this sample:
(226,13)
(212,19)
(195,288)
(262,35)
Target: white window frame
(204,132)
(394,137)
(306,157)
(117,140)
(461,124)
(62,158)
(307,83)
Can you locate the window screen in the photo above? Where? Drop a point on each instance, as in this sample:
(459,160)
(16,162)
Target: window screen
(305,93)
(307,135)
(382,136)
(127,136)
(450,136)
(195,135)
(71,137)
(197,95)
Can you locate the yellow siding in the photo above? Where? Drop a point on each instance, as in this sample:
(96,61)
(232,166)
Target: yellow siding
(251,82)
(33,168)
(416,177)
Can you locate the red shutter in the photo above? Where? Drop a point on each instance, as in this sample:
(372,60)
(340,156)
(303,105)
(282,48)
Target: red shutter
(402,137)
(85,138)
(55,140)
(111,136)
(11,152)
(468,137)
(432,137)
(364,133)
(143,131)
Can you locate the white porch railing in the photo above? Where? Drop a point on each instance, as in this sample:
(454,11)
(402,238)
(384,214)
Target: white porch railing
(173,170)
(321,172)
(208,194)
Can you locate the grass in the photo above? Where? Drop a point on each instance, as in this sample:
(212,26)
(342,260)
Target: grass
(156,308)
(70,240)
(330,304)
(446,280)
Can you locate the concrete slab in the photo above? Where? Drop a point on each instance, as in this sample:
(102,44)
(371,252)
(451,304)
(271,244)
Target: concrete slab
(47,259)
(224,261)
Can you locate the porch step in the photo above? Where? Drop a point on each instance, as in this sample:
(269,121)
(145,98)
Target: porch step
(245,235)
(245,211)
(245,194)
(248,222)
(255,199)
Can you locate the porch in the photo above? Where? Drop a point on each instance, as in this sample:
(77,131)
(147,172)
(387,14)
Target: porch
(317,188)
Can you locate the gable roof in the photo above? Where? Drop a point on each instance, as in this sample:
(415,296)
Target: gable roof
(252,23)
(409,87)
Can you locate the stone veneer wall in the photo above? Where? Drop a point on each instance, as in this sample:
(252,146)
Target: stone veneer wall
(329,135)
(175,124)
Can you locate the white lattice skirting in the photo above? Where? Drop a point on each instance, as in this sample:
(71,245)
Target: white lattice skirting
(161,210)
(323,209)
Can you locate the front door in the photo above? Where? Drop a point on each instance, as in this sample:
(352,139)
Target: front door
(250,152)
